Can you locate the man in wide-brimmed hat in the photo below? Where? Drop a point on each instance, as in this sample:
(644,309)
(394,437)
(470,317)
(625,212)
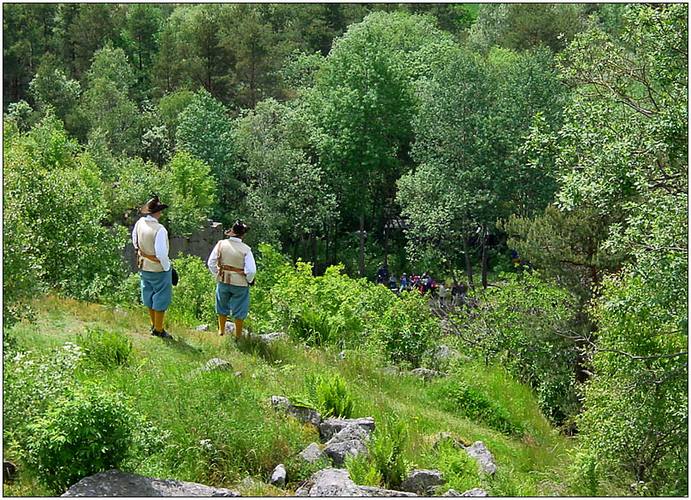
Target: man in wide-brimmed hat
(232,263)
(150,240)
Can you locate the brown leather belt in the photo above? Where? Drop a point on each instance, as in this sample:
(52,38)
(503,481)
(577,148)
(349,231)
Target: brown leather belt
(231,268)
(150,257)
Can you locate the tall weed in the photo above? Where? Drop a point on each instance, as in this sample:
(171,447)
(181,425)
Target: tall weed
(106,349)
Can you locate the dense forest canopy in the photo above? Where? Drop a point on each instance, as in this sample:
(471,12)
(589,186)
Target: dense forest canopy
(543,144)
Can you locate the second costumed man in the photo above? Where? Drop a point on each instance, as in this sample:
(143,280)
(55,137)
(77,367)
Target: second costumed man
(232,263)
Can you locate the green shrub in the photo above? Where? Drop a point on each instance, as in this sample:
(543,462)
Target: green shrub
(471,402)
(330,395)
(194,297)
(313,327)
(407,329)
(86,432)
(31,382)
(107,349)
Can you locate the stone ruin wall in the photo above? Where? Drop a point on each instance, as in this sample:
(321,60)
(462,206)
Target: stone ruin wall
(199,243)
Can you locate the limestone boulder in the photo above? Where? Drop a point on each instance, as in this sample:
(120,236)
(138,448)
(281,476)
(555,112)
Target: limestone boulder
(312,453)
(115,483)
(330,483)
(331,426)
(278,476)
(422,481)
(371,491)
(269,338)
(302,413)
(479,452)
(338,451)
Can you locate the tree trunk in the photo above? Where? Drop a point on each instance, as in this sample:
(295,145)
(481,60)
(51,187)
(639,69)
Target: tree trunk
(313,239)
(468,264)
(484,258)
(362,245)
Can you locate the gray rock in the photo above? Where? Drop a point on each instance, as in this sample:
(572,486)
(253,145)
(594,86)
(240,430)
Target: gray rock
(214,364)
(339,450)
(444,352)
(371,491)
(302,413)
(452,493)
(342,355)
(268,338)
(114,483)
(330,483)
(202,328)
(278,476)
(312,453)
(331,426)
(350,432)
(475,492)
(422,481)
(230,327)
(426,373)
(482,456)
(348,441)
(217,364)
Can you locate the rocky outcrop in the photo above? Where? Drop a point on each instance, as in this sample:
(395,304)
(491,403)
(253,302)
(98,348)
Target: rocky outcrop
(422,481)
(216,364)
(371,491)
(331,426)
(329,483)
(337,483)
(278,476)
(312,453)
(482,456)
(475,492)
(115,483)
(302,413)
(351,440)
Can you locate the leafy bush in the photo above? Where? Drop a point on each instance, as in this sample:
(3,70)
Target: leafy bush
(194,297)
(31,382)
(87,432)
(329,395)
(334,309)
(56,192)
(407,329)
(107,349)
(458,396)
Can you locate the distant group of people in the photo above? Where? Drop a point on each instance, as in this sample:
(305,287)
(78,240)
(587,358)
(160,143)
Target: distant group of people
(231,262)
(423,283)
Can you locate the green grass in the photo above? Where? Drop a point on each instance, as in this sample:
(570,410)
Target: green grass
(246,436)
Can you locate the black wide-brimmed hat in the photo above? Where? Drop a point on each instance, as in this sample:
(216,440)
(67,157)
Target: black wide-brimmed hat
(152,206)
(239,228)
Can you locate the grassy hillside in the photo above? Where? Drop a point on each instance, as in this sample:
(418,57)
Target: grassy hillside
(231,410)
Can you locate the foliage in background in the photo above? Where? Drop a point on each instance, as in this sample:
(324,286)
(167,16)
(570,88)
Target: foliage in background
(623,150)
(50,182)
(527,324)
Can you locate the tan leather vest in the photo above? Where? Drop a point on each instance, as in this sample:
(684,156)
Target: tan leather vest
(231,262)
(146,237)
